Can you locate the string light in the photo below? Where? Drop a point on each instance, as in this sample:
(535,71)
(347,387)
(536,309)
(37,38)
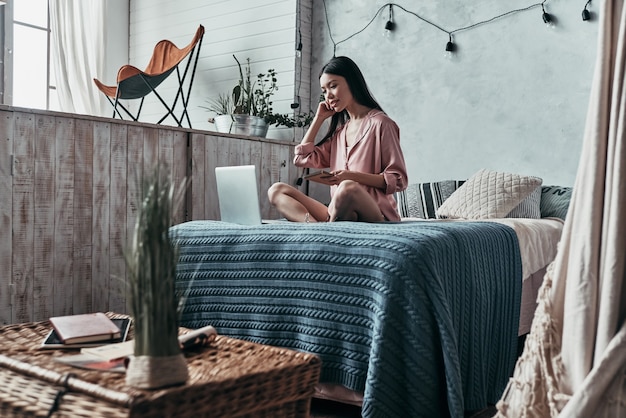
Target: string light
(390,24)
(548,19)
(450,47)
(586,13)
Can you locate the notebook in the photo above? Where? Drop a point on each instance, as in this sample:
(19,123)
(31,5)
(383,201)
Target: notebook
(85,328)
(238,194)
(52,340)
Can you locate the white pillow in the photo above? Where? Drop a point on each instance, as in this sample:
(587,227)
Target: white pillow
(488,194)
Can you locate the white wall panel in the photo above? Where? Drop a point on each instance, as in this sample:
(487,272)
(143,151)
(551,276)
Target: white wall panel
(262,30)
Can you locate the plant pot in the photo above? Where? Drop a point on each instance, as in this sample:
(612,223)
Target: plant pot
(148,372)
(241,125)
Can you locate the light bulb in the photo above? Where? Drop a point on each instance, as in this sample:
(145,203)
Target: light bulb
(450,48)
(548,19)
(389,28)
(586,15)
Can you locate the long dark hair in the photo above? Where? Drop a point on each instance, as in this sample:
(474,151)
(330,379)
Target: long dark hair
(346,68)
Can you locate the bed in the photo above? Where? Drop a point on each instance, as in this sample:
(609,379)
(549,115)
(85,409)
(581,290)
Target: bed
(420,317)
(415,318)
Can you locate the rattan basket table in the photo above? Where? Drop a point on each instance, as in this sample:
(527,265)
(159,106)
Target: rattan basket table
(229,378)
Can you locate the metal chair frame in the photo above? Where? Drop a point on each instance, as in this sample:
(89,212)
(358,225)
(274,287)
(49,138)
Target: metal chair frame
(133,83)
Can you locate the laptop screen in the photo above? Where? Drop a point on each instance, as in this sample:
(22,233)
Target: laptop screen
(238,194)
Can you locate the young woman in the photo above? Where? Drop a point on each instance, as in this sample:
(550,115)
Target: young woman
(361,149)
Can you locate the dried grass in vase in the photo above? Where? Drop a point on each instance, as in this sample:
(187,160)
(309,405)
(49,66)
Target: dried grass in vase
(151,264)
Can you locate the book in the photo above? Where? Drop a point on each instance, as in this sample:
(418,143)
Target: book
(111,352)
(90,362)
(85,328)
(323,177)
(52,340)
(112,357)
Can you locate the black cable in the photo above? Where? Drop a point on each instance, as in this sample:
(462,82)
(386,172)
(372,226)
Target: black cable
(330,34)
(365,27)
(296,104)
(532,6)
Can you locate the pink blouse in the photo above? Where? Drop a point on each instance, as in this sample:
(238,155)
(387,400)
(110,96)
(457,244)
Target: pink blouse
(377,150)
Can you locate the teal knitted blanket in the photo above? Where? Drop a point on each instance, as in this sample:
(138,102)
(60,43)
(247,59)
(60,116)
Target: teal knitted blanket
(422,317)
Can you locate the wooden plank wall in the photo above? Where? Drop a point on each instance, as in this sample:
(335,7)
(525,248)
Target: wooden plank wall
(6,215)
(273,160)
(69,187)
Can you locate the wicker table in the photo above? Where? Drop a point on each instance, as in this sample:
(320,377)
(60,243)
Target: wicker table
(230,377)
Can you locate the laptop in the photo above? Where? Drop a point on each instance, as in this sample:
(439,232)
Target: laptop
(238,194)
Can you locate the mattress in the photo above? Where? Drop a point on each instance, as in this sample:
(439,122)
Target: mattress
(538,241)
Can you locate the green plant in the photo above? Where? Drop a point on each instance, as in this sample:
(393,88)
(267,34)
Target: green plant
(254,97)
(221,105)
(298,120)
(151,261)
(248,97)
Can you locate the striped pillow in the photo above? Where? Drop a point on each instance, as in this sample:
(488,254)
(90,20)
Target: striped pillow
(421,200)
(529,207)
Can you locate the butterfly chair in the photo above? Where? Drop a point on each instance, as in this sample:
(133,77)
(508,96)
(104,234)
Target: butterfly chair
(132,83)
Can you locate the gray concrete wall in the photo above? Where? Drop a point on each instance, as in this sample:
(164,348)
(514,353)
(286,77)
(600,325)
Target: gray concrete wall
(513,97)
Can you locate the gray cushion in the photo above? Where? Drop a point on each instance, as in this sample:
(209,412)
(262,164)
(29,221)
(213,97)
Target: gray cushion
(529,207)
(555,201)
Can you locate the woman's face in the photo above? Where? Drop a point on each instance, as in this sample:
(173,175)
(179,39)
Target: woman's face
(337,94)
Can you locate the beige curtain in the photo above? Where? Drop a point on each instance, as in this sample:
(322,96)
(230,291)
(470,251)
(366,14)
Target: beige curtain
(574,360)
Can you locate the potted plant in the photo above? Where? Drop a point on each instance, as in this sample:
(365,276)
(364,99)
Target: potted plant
(248,108)
(151,260)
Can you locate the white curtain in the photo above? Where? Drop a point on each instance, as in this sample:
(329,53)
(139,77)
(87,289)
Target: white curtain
(574,360)
(77,42)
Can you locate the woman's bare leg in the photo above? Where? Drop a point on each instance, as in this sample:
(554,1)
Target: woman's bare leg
(351,202)
(294,205)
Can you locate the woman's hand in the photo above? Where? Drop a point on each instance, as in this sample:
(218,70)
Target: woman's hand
(366,179)
(341,175)
(324,111)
